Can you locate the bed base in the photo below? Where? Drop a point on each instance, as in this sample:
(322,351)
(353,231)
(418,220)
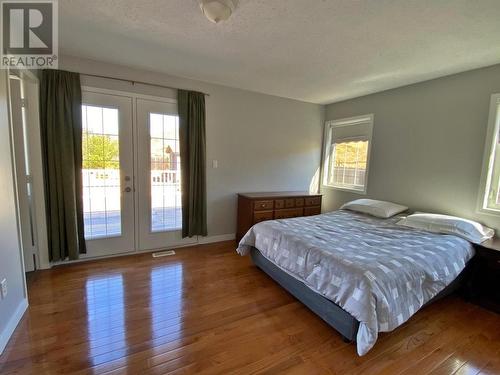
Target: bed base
(327,310)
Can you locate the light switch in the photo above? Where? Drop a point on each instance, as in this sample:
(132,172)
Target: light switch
(3,288)
(215,164)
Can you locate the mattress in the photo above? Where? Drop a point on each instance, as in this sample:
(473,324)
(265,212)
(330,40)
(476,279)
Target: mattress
(377,271)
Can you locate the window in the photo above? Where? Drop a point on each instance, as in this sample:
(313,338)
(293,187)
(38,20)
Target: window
(490,181)
(347,151)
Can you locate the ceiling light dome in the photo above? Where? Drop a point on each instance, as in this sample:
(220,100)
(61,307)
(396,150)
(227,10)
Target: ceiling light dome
(217,10)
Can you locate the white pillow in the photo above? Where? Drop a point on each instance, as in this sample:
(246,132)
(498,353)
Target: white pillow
(468,229)
(374,207)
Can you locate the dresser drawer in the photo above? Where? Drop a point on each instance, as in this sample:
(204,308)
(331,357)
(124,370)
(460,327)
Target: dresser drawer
(262,205)
(299,212)
(259,216)
(309,211)
(299,202)
(313,201)
(279,203)
(287,213)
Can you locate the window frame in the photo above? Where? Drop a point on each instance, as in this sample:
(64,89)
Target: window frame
(492,137)
(327,145)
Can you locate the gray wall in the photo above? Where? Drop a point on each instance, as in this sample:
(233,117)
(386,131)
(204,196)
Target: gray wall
(262,142)
(428,142)
(11,267)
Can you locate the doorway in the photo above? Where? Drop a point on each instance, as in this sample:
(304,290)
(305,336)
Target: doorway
(23,95)
(131,173)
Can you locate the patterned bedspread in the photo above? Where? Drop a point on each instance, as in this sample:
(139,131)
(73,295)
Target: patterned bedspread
(377,271)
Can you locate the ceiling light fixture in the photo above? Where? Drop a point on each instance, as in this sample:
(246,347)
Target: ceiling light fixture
(217,10)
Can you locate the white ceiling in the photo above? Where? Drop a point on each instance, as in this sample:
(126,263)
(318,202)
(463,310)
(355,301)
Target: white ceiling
(317,51)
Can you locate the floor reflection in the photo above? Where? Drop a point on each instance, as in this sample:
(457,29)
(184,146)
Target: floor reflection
(166,302)
(106,318)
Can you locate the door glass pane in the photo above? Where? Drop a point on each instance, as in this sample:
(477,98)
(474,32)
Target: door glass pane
(165,173)
(101,172)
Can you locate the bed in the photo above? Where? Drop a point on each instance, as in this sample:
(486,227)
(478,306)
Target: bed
(362,275)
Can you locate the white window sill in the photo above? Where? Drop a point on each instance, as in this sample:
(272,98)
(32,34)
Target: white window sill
(488,211)
(345,188)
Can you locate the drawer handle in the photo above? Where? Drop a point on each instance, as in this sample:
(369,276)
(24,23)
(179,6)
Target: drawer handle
(263,205)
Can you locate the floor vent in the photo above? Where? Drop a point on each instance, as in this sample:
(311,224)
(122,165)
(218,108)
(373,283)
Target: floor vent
(163,254)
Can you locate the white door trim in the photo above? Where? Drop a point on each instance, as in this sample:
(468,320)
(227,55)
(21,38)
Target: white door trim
(128,94)
(31,85)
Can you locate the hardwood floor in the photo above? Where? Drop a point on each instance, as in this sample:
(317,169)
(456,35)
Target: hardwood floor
(207,310)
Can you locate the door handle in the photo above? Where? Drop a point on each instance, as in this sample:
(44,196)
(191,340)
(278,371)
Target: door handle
(128,189)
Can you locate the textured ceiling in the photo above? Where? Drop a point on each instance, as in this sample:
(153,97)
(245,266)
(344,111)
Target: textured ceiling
(317,51)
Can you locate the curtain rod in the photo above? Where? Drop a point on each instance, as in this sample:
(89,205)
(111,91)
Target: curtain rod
(135,82)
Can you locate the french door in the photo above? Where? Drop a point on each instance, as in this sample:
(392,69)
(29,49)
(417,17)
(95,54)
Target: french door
(108,170)
(159,175)
(131,174)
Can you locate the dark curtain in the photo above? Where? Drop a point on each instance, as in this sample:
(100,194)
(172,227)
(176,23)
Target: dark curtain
(61,133)
(193,165)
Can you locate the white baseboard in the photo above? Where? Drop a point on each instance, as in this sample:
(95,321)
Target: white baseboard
(217,238)
(12,324)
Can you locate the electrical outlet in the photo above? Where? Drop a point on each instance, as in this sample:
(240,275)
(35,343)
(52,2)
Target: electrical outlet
(3,288)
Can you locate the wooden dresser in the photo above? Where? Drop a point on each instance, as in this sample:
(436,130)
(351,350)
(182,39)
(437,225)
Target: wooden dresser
(256,207)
